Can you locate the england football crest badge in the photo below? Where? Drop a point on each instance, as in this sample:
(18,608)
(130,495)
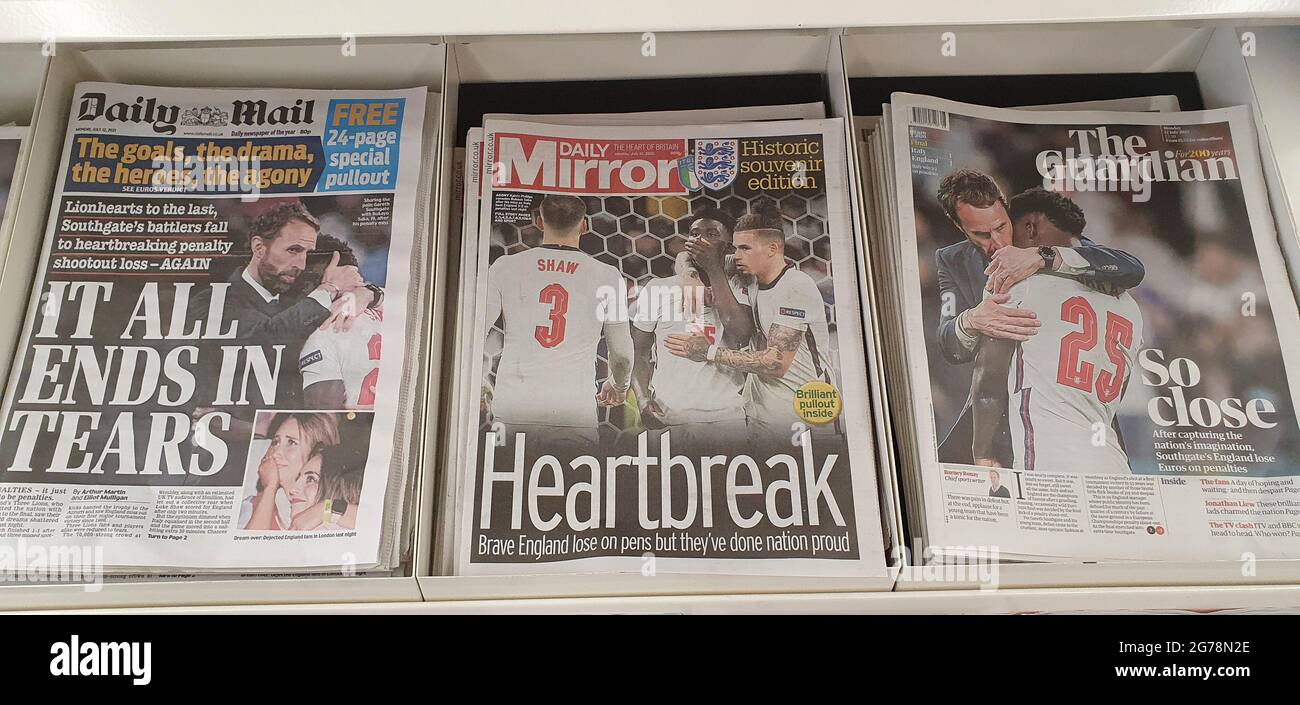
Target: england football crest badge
(716,164)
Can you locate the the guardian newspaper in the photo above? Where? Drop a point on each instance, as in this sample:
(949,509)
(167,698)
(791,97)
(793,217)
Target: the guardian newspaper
(1102,339)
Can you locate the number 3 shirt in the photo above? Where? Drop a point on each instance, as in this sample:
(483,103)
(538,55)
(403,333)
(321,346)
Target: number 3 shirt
(1066,381)
(556,301)
(351,357)
(688,391)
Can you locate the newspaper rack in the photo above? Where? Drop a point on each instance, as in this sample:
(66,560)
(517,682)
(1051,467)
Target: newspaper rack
(1213,52)
(1214,55)
(515,59)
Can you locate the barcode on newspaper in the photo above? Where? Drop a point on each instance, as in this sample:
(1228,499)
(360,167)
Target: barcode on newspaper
(929,117)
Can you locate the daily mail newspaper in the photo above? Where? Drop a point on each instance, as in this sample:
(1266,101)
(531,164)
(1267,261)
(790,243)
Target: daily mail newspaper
(212,370)
(1103,343)
(672,369)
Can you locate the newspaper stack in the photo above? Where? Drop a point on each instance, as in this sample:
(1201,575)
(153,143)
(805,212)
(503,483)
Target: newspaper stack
(11,141)
(1096,341)
(659,353)
(221,355)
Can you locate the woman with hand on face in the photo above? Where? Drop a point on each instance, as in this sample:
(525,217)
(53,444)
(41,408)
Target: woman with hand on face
(296,442)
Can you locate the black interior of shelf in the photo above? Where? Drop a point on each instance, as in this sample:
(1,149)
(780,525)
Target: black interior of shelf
(637,95)
(633,95)
(1011,91)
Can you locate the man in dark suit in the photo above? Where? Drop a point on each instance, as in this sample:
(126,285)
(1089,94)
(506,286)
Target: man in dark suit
(268,307)
(987,259)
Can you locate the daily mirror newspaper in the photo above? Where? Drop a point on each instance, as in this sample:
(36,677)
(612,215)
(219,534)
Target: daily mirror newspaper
(670,353)
(210,370)
(468,209)
(1101,336)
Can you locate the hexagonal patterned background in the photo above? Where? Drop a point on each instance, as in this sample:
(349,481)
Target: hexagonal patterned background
(642,236)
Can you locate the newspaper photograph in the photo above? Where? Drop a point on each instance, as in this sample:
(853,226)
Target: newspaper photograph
(668,345)
(210,370)
(1102,341)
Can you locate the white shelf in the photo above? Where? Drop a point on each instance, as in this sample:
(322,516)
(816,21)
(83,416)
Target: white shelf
(1163,599)
(151,20)
(22,68)
(1273,85)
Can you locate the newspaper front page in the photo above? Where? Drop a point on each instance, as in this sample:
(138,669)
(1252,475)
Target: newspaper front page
(466,200)
(1101,337)
(670,353)
(210,371)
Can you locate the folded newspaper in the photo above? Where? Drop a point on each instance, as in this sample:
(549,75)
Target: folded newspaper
(666,371)
(11,141)
(1101,343)
(218,365)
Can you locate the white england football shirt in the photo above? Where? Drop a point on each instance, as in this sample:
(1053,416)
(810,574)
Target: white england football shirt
(555,301)
(688,391)
(793,301)
(351,357)
(1066,381)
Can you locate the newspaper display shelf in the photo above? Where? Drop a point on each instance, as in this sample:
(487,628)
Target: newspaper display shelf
(1201,599)
(411,44)
(719,55)
(1276,101)
(1217,56)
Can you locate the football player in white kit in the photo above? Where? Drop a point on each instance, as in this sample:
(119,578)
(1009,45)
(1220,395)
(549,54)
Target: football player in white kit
(341,368)
(339,364)
(1059,388)
(791,336)
(695,402)
(554,299)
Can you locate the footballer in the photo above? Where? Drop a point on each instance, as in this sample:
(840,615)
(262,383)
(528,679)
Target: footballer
(339,364)
(694,401)
(550,298)
(791,335)
(1059,388)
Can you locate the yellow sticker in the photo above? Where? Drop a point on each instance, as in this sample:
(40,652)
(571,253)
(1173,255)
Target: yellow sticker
(817,403)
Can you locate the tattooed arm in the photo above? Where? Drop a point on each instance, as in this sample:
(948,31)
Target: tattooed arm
(773,361)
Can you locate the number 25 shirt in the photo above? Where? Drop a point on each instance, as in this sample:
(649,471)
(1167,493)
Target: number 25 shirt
(1066,381)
